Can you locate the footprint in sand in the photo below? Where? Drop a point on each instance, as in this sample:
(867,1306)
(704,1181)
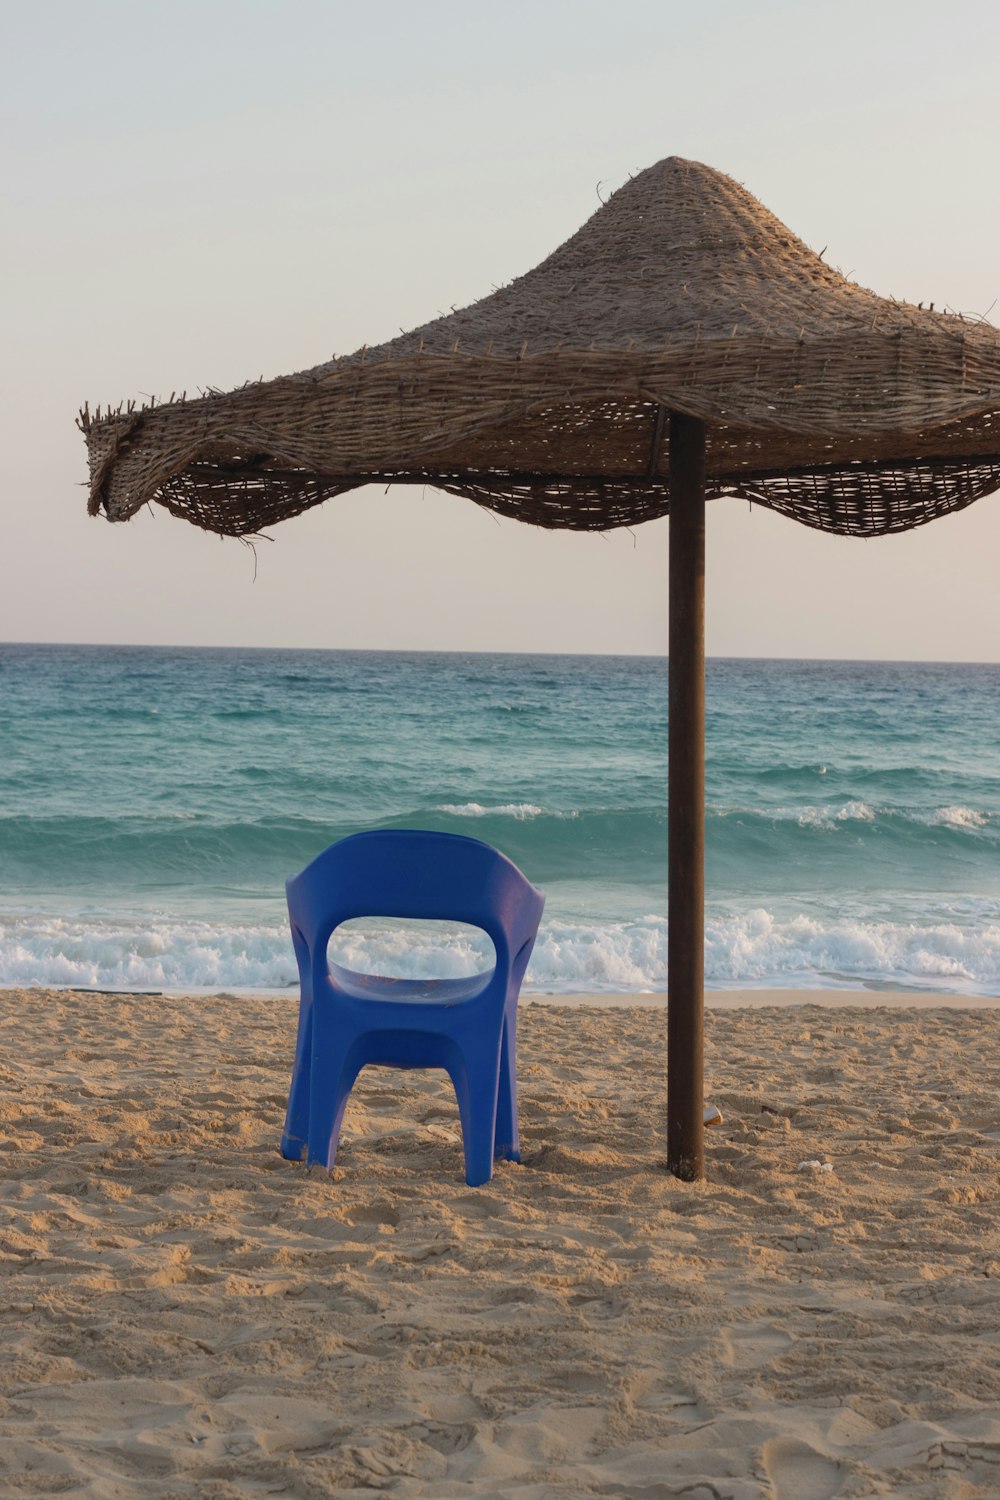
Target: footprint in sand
(798,1472)
(749,1346)
(373,1213)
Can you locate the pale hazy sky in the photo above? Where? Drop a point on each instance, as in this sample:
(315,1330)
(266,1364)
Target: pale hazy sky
(213,190)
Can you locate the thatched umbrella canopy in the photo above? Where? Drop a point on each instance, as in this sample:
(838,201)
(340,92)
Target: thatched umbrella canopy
(682,345)
(544,401)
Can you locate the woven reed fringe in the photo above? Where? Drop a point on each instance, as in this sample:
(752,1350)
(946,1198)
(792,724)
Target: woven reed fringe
(545,401)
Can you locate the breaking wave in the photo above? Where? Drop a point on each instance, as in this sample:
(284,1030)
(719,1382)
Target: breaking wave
(753,948)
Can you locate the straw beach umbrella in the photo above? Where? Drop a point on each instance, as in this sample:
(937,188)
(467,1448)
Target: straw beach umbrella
(682,345)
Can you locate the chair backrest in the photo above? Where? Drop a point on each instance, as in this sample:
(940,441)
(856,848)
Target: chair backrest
(413,873)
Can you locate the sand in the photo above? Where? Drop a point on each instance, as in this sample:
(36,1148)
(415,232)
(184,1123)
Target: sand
(186,1314)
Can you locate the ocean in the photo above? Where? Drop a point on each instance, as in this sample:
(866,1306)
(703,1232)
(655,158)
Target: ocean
(153,801)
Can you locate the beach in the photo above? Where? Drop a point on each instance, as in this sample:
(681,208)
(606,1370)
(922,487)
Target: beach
(487,308)
(187,1314)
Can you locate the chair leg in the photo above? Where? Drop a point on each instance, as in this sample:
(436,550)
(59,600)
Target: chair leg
(332,1077)
(296,1132)
(475,1079)
(506,1145)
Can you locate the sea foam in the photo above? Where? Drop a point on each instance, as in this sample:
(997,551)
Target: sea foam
(755,948)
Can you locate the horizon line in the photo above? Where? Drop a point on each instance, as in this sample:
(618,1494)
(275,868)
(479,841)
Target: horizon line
(486,651)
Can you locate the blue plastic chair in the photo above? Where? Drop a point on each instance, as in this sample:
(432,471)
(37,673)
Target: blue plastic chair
(467,1026)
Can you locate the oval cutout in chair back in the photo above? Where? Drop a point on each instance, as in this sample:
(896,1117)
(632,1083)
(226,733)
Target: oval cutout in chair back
(397,949)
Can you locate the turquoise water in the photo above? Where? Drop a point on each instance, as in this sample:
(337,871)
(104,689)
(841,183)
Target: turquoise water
(153,801)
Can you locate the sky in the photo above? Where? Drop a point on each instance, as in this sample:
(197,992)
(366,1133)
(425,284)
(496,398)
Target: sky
(204,193)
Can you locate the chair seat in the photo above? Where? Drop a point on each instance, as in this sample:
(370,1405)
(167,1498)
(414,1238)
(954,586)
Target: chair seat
(408,991)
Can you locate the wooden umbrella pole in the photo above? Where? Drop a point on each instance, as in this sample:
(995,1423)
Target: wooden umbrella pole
(686,802)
